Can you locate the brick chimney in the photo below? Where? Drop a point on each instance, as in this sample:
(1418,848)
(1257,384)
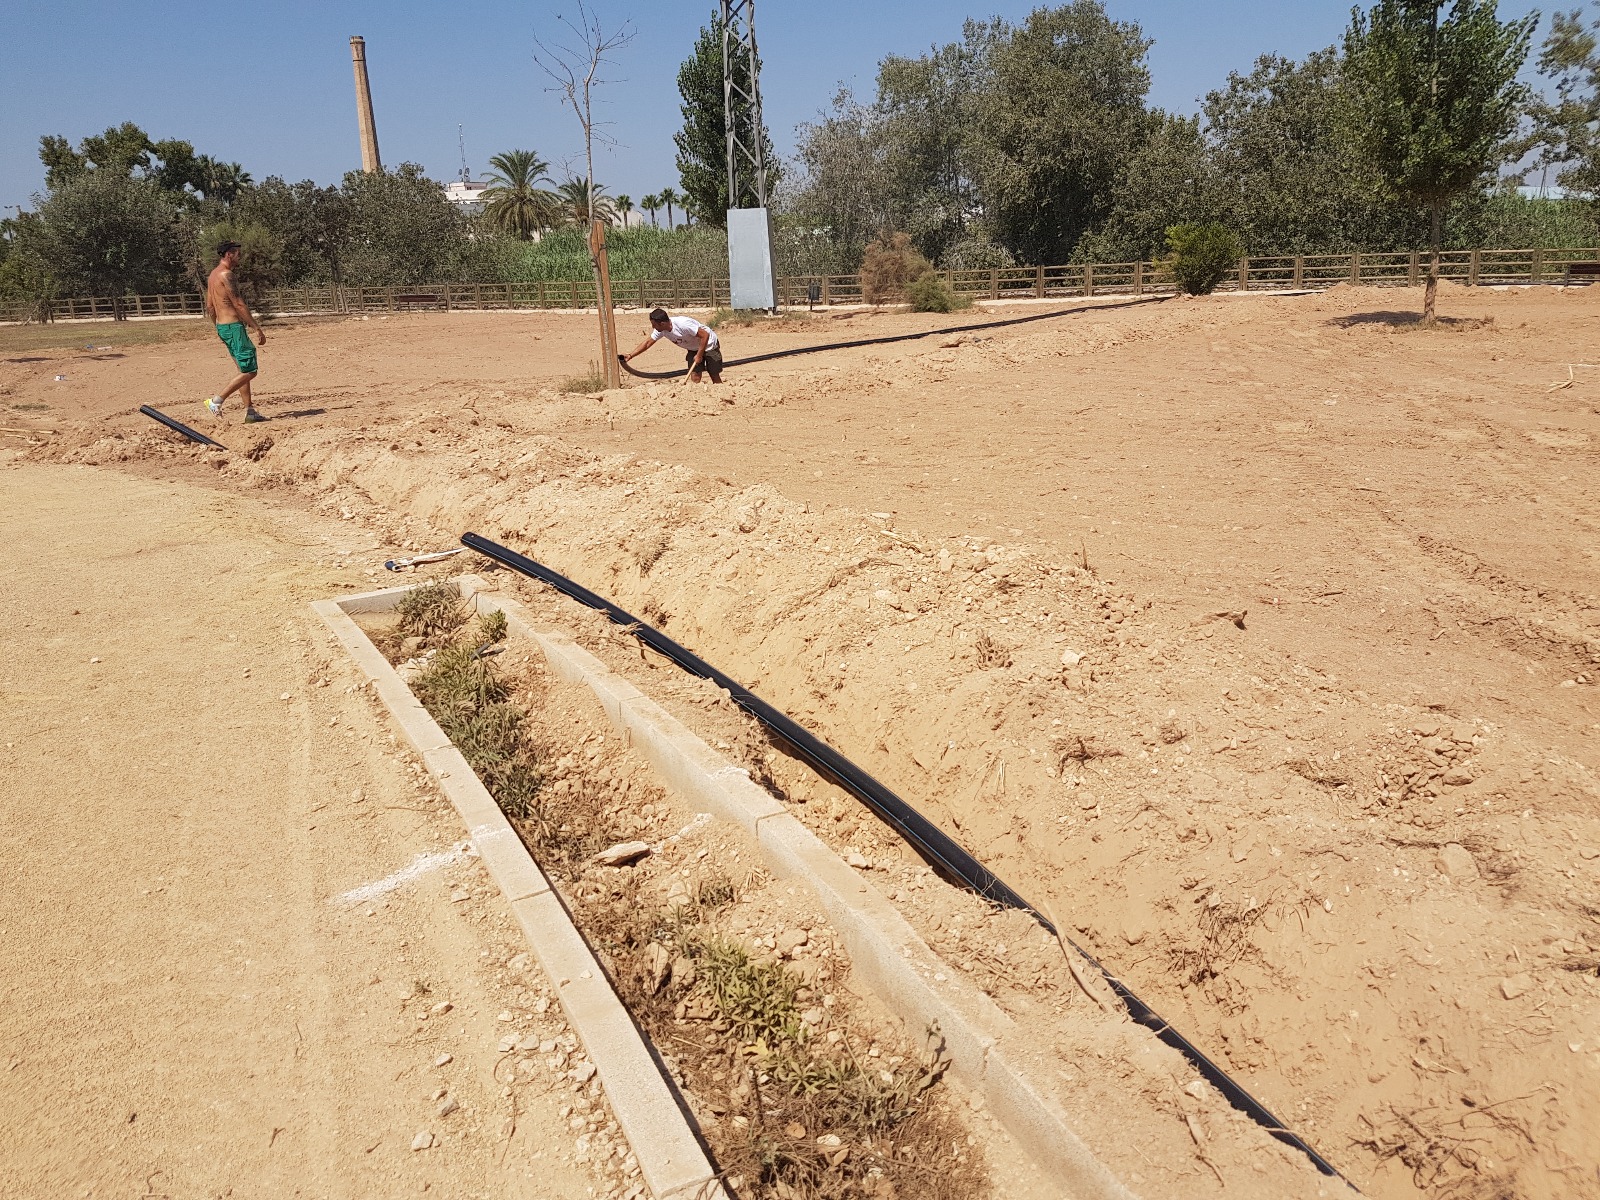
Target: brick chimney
(370,161)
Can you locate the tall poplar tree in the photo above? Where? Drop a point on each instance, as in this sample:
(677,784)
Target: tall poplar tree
(1437,100)
(703,141)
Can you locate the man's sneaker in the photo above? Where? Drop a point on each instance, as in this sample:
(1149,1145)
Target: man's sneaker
(214,407)
(251,416)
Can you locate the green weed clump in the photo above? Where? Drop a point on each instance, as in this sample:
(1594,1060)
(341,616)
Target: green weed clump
(1201,256)
(433,610)
(931,293)
(594,381)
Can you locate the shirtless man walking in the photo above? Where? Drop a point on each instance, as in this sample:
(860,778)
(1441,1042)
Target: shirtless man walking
(231,314)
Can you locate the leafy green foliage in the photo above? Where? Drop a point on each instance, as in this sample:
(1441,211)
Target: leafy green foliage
(106,234)
(1435,102)
(401,228)
(261,264)
(1567,126)
(1201,256)
(930,293)
(702,142)
(514,201)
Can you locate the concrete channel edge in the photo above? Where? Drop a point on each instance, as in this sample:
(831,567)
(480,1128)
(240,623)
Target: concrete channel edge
(659,1131)
(888,954)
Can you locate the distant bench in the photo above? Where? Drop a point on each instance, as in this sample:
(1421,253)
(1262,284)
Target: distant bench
(1583,272)
(419,300)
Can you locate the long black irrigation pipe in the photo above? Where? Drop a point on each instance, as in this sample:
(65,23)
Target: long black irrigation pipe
(898,337)
(194,435)
(927,838)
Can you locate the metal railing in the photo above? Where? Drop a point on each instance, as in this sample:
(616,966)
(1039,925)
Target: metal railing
(1484,267)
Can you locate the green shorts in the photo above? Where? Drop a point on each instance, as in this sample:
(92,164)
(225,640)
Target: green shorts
(713,359)
(239,345)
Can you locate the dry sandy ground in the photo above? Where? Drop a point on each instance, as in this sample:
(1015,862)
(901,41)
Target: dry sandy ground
(1349,841)
(191,780)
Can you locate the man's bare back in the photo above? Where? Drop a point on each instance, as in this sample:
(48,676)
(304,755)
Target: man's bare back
(231,314)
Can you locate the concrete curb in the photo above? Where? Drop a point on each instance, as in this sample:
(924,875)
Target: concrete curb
(892,958)
(671,1159)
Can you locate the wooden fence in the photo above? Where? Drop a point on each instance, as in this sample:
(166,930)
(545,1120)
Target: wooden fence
(1260,274)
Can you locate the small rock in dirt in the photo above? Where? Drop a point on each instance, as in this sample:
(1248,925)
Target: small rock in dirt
(857,860)
(812,1016)
(830,1140)
(1516,985)
(460,896)
(583,1072)
(530,1041)
(507,1044)
(1070,658)
(441,1008)
(1456,861)
(1196,1088)
(795,1130)
(412,644)
(444,1060)
(448,1106)
(1458,777)
(791,940)
(657,964)
(519,962)
(422,1141)
(622,854)
(683,972)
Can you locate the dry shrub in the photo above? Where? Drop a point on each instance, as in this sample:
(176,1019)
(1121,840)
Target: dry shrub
(990,653)
(734,1024)
(889,268)
(1225,929)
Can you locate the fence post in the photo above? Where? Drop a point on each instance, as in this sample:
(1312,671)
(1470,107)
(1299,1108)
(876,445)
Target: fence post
(1355,268)
(1138,278)
(1244,274)
(1038,283)
(994,283)
(1412,269)
(1472,268)
(1088,279)
(1299,270)
(827,292)
(1536,268)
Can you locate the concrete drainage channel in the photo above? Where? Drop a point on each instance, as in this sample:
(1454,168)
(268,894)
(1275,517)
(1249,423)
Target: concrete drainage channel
(978,1040)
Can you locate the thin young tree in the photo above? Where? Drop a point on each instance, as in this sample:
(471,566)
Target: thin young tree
(622,205)
(1567,129)
(574,66)
(652,205)
(1436,100)
(668,199)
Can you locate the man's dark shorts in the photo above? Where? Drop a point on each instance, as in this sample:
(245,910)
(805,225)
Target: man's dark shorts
(713,361)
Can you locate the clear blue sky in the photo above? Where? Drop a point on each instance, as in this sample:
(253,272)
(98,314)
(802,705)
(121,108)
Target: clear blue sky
(268,84)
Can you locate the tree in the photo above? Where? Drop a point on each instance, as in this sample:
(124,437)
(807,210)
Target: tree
(1169,178)
(401,229)
(1062,108)
(703,141)
(846,193)
(668,198)
(1568,128)
(514,200)
(1436,101)
(623,205)
(652,205)
(105,234)
(219,180)
(581,203)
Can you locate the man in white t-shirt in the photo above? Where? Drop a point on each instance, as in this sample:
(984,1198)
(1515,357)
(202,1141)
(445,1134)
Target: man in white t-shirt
(702,350)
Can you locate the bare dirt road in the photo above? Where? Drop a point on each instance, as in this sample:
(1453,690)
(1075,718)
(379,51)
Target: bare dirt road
(191,782)
(1257,636)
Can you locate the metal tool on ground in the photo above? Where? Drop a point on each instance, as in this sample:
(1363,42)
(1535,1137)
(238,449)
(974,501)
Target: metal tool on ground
(902,337)
(937,847)
(400,564)
(194,435)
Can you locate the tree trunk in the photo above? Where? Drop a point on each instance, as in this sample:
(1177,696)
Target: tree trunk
(1431,294)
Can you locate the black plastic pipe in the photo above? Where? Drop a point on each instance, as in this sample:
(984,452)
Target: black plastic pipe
(937,847)
(898,337)
(194,435)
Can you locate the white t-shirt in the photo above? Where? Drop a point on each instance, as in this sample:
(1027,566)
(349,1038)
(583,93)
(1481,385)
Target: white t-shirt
(685,332)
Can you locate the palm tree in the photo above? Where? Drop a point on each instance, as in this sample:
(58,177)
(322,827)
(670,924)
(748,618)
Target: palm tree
(514,201)
(668,199)
(624,206)
(576,203)
(652,205)
(220,180)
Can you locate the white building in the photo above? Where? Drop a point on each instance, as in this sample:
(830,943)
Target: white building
(466,194)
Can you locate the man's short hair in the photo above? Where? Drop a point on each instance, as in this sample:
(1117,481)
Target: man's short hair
(658,314)
(223,248)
